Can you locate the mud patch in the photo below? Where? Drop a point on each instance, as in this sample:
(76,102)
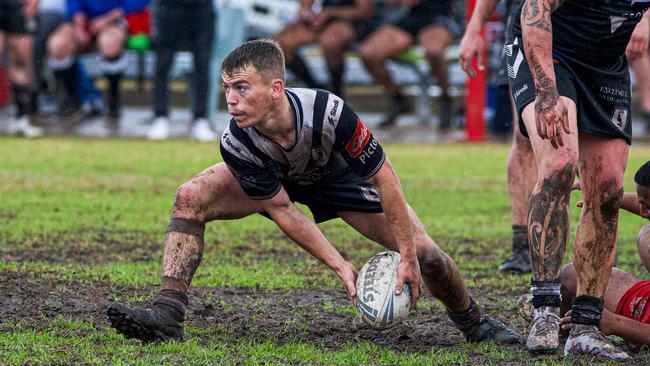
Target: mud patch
(317,316)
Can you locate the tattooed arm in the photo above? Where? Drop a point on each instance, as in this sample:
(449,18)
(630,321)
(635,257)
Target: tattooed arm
(537,33)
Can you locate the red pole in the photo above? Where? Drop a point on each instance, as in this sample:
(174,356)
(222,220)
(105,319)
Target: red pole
(4,87)
(475,95)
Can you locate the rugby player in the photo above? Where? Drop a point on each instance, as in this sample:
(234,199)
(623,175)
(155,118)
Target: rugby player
(626,310)
(308,146)
(570,82)
(521,169)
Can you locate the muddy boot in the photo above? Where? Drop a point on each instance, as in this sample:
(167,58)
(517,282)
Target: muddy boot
(525,307)
(482,328)
(544,336)
(163,321)
(400,104)
(588,340)
(519,261)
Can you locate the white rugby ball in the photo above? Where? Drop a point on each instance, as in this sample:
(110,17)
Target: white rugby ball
(376,300)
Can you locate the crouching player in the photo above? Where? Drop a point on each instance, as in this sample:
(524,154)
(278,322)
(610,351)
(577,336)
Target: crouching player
(304,145)
(627,298)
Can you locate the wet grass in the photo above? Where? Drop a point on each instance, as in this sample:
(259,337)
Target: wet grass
(95,211)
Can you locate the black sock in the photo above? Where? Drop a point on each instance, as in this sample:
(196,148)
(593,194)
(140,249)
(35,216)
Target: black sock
(398,97)
(337,81)
(519,238)
(586,310)
(546,293)
(66,80)
(467,321)
(299,68)
(114,92)
(25,100)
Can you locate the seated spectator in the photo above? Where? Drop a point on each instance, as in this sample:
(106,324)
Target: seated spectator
(627,298)
(427,22)
(334,28)
(183,24)
(90,23)
(14,16)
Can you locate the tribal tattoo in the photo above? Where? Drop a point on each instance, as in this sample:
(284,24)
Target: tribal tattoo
(548,223)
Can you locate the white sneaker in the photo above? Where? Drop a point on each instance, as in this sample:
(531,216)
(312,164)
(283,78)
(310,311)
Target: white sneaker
(201,131)
(22,126)
(544,332)
(159,129)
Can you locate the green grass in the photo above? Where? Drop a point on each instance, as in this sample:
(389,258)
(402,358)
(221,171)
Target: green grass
(111,199)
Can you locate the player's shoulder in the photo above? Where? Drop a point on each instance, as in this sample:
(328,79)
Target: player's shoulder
(313,99)
(235,140)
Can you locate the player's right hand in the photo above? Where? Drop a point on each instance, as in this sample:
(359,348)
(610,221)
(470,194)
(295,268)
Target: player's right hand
(472,46)
(551,118)
(348,275)
(408,271)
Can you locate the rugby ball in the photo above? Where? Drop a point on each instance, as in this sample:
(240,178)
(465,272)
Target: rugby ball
(376,301)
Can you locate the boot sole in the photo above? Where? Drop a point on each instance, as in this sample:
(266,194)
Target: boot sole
(123,322)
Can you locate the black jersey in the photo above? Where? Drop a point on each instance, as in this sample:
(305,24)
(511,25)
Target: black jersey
(336,3)
(331,141)
(592,31)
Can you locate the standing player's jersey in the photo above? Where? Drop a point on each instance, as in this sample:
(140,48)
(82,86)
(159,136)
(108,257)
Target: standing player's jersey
(592,31)
(337,3)
(432,7)
(330,141)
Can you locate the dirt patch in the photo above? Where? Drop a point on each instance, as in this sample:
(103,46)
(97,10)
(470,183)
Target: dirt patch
(319,317)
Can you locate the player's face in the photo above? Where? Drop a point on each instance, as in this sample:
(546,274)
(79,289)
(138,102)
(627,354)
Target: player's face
(248,96)
(644,200)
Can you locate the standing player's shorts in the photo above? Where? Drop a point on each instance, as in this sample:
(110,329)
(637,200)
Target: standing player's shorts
(502,73)
(601,94)
(634,304)
(11,17)
(342,193)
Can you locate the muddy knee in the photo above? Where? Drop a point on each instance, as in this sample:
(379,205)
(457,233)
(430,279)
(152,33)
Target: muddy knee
(433,263)
(188,202)
(611,196)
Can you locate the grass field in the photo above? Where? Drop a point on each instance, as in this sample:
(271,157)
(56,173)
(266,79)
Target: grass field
(82,224)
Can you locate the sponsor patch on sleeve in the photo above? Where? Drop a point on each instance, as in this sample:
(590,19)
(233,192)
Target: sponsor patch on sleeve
(355,146)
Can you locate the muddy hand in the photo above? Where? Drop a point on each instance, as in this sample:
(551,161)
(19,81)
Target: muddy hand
(551,118)
(408,271)
(348,274)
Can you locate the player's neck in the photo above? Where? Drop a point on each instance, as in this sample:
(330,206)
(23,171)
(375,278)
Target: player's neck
(280,124)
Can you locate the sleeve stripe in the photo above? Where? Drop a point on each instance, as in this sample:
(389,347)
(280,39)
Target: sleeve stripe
(374,171)
(276,190)
(243,137)
(320,104)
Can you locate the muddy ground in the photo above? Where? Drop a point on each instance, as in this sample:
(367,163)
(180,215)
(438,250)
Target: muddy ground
(303,315)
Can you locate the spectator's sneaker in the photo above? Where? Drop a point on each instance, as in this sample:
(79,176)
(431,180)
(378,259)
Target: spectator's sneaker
(159,129)
(155,324)
(492,330)
(518,262)
(591,342)
(23,127)
(201,131)
(397,107)
(544,336)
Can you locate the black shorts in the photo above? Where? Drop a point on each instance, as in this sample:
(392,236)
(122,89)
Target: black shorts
(344,193)
(601,94)
(11,17)
(502,73)
(414,23)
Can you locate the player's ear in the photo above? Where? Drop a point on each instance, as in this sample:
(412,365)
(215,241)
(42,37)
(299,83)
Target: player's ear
(277,88)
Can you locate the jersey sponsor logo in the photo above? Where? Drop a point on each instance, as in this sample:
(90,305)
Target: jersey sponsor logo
(367,153)
(520,90)
(619,118)
(228,142)
(358,141)
(370,194)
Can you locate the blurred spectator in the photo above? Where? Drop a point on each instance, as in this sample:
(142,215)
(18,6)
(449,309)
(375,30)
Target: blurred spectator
(15,18)
(91,22)
(334,26)
(180,24)
(427,22)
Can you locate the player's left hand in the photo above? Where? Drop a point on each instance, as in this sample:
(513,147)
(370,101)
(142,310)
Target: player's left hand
(551,118)
(408,271)
(638,44)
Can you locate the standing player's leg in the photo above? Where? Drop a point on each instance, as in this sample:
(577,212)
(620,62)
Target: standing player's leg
(381,45)
(435,39)
(111,44)
(602,165)
(439,273)
(548,226)
(641,68)
(334,41)
(522,175)
(212,195)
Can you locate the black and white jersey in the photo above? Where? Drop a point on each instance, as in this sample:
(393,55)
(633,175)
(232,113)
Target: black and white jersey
(592,31)
(330,141)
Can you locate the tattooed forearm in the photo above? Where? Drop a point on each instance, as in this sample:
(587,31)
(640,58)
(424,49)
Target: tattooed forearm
(538,13)
(548,223)
(547,94)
